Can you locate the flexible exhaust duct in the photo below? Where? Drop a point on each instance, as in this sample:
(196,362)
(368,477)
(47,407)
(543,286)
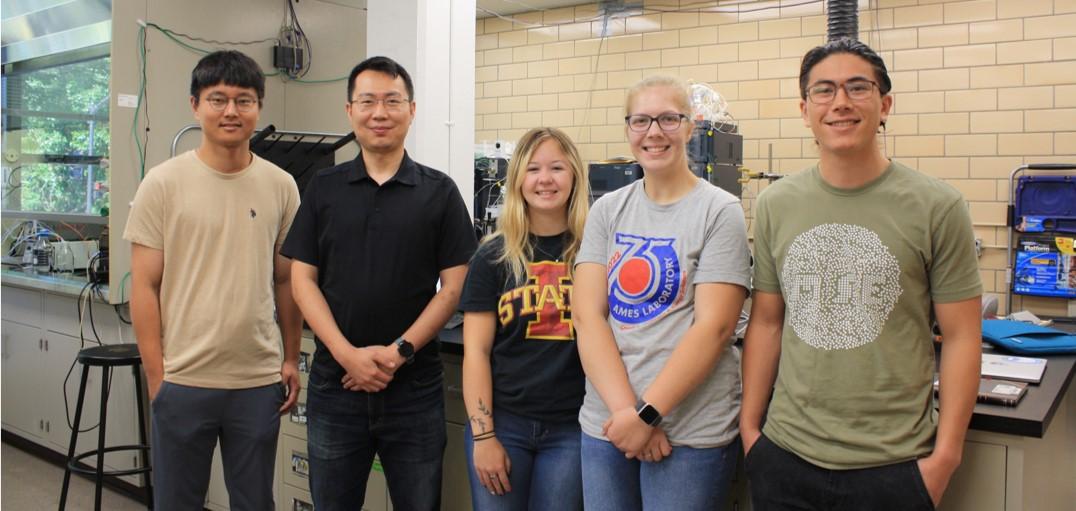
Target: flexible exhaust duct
(843,20)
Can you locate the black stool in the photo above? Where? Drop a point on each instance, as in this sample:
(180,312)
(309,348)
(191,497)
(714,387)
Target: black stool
(106,357)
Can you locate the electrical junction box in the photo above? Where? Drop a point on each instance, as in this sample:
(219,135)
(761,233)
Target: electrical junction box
(73,255)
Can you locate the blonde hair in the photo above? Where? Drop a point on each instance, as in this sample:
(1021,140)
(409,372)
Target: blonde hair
(679,87)
(513,225)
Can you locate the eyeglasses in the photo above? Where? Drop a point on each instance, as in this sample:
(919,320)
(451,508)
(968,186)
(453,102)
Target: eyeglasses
(392,103)
(824,92)
(667,122)
(243,104)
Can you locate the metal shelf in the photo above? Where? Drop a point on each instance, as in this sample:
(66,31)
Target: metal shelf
(56,217)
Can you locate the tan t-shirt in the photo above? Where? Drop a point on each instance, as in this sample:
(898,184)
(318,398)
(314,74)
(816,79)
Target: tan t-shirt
(219,234)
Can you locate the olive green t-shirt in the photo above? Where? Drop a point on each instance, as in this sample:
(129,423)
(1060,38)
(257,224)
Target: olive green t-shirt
(859,270)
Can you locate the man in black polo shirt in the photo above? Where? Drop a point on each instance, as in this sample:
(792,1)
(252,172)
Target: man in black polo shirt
(368,245)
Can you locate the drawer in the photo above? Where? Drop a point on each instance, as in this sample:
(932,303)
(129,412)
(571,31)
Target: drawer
(377,490)
(23,306)
(294,499)
(455,409)
(296,462)
(306,357)
(63,312)
(294,423)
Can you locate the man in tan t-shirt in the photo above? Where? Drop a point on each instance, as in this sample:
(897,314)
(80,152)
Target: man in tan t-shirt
(211,300)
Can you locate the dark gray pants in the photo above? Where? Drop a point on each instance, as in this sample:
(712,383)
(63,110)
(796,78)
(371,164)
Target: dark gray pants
(782,481)
(188,421)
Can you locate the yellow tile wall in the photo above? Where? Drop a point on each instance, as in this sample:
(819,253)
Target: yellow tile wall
(980,86)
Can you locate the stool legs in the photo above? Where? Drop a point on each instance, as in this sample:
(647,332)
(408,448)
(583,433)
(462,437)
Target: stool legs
(74,436)
(106,375)
(142,435)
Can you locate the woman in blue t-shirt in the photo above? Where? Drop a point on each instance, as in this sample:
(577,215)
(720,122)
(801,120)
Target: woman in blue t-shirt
(522,380)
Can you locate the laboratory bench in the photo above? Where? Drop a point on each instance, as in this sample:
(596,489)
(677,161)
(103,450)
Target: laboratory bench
(1015,458)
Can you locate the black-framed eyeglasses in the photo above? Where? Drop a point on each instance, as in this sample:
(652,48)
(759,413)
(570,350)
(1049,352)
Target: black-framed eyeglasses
(220,102)
(824,92)
(640,123)
(368,103)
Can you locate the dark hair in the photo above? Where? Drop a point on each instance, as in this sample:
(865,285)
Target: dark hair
(381,65)
(844,45)
(229,67)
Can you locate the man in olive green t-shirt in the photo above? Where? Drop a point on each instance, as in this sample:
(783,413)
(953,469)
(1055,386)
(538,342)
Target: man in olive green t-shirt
(852,258)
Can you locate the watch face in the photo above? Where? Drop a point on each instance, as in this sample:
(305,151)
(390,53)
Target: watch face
(405,348)
(649,415)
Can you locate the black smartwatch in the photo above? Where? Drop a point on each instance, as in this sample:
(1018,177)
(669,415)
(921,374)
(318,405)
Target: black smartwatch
(647,413)
(406,350)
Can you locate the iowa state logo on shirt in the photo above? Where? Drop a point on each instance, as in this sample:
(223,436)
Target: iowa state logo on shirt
(644,278)
(544,302)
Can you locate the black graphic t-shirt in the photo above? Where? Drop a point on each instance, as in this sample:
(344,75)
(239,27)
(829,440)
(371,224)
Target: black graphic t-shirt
(536,369)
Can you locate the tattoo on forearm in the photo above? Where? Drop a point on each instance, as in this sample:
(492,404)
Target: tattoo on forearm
(478,424)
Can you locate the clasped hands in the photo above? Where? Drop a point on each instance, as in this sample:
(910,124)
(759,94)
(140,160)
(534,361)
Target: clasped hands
(636,438)
(370,368)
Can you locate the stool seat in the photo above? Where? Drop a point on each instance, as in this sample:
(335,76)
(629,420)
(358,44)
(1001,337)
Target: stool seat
(110,355)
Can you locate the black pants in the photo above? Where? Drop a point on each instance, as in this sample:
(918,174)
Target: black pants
(780,480)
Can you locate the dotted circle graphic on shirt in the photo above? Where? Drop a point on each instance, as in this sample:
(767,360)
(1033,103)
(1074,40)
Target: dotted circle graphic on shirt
(841,282)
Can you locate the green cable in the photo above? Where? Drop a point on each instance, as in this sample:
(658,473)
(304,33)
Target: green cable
(123,286)
(329,80)
(138,106)
(169,34)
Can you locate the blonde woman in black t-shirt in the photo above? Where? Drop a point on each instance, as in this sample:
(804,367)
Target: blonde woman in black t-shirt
(522,380)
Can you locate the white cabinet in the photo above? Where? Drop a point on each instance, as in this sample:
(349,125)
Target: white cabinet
(979,482)
(38,351)
(23,359)
(294,463)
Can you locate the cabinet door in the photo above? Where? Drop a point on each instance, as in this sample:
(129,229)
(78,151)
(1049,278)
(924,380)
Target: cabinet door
(122,426)
(455,485)
(21,351)
(979,483)
(22,306)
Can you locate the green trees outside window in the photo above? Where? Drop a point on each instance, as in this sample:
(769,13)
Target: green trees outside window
(56,132)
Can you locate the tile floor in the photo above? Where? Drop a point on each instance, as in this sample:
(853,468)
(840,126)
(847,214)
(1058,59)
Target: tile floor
(28,483)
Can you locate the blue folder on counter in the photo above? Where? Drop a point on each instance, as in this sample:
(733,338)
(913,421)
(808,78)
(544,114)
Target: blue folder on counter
(1027,339)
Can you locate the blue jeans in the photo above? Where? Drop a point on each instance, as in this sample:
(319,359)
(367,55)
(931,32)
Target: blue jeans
(545,471)
(689,478)
(404,425)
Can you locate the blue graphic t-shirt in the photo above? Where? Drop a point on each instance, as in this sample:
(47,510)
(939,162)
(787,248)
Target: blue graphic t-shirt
(654,254)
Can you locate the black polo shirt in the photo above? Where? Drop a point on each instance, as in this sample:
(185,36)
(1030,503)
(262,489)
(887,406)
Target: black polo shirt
(379,250)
